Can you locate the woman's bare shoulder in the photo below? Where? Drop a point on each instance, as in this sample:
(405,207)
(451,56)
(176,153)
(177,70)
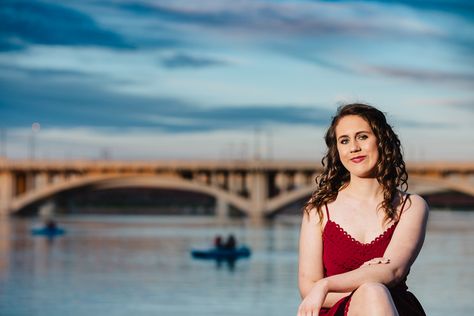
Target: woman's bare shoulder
(311,213)
(312,217)
(414,204)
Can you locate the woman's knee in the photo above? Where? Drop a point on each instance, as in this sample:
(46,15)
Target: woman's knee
(370,299)
(373,290)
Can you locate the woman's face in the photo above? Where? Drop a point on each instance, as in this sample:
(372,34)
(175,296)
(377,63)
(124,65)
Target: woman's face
(357,146)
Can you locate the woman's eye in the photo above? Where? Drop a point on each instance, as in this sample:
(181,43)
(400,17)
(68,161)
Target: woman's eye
(344,141)
(363,137)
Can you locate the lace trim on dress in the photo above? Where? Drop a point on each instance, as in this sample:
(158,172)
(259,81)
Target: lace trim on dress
(345,233)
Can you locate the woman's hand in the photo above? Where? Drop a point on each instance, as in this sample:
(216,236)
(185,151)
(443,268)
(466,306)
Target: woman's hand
(313,302)
(373,261)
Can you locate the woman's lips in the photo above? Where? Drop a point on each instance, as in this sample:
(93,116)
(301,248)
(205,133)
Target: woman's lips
(358,159)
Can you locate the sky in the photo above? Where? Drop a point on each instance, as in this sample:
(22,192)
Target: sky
(231,80)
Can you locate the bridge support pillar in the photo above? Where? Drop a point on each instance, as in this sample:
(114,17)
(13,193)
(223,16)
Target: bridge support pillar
(258,196)
(222,209)
(41,180)
(233,183)
(6,193)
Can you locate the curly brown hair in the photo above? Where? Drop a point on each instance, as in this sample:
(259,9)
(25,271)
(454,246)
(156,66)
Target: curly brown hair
(390,169)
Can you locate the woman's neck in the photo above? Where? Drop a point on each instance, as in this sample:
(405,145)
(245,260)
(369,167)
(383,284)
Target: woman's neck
(368,189)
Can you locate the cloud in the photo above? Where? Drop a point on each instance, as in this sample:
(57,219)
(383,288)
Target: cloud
(78,102)
(35,22)
(309,57)
(457,7)
(164,24)
(254,18)
(190,61)
(37,73)
(400,72)
(423,75)
(180,15)
(315,28)
(244,117)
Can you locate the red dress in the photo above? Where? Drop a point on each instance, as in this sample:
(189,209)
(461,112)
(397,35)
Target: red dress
(342,253)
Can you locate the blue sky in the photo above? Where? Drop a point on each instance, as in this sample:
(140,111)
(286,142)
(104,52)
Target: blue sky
(217,79)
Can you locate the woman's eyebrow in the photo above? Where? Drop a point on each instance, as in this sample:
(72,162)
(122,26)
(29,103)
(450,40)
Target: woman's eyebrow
(359,132)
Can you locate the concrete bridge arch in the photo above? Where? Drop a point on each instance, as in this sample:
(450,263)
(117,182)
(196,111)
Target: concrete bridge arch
(223,198)
(258,188)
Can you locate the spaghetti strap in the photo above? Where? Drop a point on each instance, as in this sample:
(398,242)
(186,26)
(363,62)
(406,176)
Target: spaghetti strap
(403,205)
(327,211)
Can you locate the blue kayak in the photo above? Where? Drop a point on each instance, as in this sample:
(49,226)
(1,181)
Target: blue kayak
(49,232)
(216,253)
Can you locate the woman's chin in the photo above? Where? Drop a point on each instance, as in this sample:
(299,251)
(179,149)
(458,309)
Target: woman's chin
(362,173)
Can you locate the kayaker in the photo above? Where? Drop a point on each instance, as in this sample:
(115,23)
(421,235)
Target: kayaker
(51,225)
(231,243)
(218,242)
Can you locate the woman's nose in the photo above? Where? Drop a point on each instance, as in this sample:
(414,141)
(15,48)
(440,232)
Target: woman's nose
(355,147)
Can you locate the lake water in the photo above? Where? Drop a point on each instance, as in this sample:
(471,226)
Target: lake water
(141,265)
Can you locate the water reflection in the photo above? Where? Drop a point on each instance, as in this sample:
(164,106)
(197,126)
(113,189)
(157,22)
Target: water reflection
(228,263)
(5,235)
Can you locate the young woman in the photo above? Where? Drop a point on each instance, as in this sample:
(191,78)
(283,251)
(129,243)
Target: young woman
(361,231)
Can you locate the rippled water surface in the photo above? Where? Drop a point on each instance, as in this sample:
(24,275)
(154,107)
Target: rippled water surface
(135,265)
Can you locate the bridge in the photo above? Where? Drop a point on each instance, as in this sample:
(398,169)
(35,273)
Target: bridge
(258,188)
